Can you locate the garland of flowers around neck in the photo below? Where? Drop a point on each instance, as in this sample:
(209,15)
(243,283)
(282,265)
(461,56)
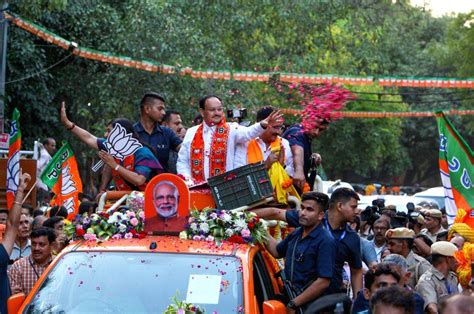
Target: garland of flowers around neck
(222,225)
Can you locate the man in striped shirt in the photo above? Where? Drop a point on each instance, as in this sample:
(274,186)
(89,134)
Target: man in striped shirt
(27,270)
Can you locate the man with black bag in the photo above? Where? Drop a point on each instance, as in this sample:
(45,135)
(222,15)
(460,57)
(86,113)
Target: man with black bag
(309,252)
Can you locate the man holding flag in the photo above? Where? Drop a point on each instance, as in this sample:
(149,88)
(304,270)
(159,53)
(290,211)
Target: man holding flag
(61,175)
(13,163)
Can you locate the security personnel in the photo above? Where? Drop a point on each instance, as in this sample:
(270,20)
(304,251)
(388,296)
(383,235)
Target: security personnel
(433,224)
(440,280)
(310,252)
(400,241)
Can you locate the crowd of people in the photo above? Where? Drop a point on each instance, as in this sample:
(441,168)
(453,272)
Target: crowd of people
(381,262)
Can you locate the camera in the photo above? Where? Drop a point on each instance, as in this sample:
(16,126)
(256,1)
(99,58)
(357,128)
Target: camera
(239,113)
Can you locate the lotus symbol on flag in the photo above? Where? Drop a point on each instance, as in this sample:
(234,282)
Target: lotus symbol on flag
(69,205)
(13,170)
(68,185)
(121,144)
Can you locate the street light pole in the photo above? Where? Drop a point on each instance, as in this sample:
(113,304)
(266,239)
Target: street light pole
(3,62)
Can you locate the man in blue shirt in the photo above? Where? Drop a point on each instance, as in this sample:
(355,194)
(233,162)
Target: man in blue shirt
(6,246)
(310,252)
(342,210)
(300,143)
(160,138)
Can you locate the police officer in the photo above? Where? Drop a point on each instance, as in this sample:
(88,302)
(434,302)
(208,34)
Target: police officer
(433,226)
(310,252)
(440,280)
(400,241)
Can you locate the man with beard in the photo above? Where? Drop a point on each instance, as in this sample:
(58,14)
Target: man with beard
(27,270)
(269,147)
(300,142)
(166,202)
(172,120)
(309,250)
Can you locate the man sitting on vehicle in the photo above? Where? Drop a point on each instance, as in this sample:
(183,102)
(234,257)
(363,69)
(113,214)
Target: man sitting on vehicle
(27,270)
(269,147)
(310,252)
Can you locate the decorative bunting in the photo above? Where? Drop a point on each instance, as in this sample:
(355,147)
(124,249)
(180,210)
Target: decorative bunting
(153,66)
(385,114)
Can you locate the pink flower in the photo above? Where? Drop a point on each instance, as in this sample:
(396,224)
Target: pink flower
(197,238)
(128,235)
(90,237)
(141,215)
(117,236)
(180,311)
(134,221)
(245,232)
(130,214)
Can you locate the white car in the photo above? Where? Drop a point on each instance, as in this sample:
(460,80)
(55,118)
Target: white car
(434,194)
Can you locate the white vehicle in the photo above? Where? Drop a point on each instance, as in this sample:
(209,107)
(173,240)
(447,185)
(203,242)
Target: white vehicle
(434,194)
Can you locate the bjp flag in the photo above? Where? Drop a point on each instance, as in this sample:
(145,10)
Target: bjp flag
(62,177)
(13,163)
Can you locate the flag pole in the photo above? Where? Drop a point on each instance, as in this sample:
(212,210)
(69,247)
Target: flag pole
(28,194)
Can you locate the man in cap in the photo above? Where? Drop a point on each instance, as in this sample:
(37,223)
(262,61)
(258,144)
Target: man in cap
(440,280)
(400,241)
(433,224)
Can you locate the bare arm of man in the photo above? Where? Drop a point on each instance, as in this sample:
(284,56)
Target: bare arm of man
(270,213)
(356,280)
(298,163)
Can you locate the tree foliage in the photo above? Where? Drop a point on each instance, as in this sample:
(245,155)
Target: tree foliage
(358,37)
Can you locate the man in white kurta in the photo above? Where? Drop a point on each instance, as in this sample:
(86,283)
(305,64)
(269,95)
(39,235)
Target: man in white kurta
(211,131)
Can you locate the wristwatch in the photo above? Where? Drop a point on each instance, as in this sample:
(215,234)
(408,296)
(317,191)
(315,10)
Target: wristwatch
(292,305)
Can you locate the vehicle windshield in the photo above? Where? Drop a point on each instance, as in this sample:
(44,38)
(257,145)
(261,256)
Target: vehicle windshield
(131,282)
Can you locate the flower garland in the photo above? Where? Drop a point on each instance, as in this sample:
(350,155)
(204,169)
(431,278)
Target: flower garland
(222,225)
(126,222)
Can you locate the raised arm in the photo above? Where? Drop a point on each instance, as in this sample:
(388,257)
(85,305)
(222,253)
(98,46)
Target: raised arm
(82,134)
(13,221)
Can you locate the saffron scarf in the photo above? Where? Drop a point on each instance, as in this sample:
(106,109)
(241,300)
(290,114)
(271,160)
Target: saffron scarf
(218,152)
(254,153)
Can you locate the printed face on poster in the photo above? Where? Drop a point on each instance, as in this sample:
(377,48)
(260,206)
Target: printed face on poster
(166,204)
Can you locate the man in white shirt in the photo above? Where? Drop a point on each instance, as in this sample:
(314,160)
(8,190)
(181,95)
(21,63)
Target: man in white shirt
(208,149)
(46,152)
(269,147)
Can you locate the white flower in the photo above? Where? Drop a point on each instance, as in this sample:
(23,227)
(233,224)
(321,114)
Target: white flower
(193,226)
(202,217)
(122,228)
(113,218)
(183,235)
(204,227)
(121,144)
(209,238)
(229,232)
(226,217)
(213,216)
(240,224)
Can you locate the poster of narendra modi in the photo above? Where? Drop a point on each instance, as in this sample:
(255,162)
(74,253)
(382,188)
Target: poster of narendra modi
(166,205)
